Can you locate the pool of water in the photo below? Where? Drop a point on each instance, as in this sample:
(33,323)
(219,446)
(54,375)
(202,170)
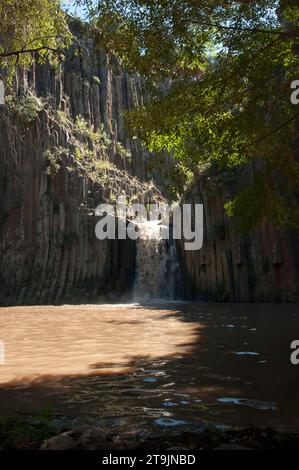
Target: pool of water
(156,367)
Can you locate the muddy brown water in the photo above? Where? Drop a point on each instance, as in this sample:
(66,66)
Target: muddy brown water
(160,367)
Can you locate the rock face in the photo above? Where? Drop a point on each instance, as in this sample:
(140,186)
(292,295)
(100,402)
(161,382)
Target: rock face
(85,437)
(53,173)
(48,249)
(262,266)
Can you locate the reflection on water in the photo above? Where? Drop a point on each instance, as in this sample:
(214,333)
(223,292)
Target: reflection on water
(257,404)
(246,353)
(168,366)
(81,340)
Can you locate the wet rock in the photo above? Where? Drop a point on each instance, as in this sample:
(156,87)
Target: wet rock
(61,442)
(84,437)
(92,438)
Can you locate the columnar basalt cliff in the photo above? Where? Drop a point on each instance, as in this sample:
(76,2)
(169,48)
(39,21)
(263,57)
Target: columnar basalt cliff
(259,266)
(64,149)
(55,169)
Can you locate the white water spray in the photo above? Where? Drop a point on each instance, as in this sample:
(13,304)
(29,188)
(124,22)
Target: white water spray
(157,267)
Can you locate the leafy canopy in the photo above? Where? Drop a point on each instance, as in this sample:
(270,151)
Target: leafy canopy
(218,73)
(30,26)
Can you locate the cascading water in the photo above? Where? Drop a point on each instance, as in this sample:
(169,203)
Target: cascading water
(157,269)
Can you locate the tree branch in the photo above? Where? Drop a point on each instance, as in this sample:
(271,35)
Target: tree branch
(249,30)
(268,134)
(28,51)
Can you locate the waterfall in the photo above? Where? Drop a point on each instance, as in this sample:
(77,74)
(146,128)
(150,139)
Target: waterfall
(157,269)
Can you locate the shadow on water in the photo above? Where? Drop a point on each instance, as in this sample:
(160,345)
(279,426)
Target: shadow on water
(176,366)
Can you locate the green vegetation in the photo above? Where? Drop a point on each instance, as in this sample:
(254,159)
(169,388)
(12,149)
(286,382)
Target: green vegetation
(219,76)
(19,432)
(26,107)
(87,150)
(87,146)
(29,27)
(54,159)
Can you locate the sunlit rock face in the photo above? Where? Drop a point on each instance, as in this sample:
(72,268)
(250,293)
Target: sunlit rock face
(48,249)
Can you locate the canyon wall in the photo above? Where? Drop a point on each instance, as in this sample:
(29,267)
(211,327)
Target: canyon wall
(260,266)
(53,174)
